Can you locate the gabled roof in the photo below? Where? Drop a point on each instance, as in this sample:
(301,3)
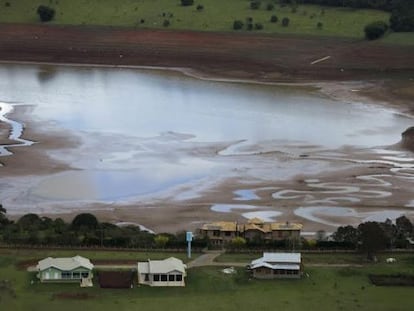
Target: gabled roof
(276,266)
(285,226)
(162,266)
(251,226)
(221,225)
(64,264)
(277,258)
(255,221)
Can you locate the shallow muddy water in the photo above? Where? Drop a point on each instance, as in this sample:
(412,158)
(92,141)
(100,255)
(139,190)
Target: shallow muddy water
(160,134)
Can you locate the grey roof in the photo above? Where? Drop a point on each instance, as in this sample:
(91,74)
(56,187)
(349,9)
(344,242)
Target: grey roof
(162,266)
(278,258)
(276,266)
(64,264)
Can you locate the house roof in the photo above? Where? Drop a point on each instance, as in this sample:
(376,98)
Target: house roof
(276,266)
(64,264)
(251,226)
(221,225)
(285,226)
(277,258)
(162,266)
(255,221)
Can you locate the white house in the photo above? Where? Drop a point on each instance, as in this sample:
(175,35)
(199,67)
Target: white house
(75,269)
(277,265)
(167,272)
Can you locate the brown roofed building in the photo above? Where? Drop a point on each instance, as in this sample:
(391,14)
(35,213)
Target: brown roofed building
(220,232)
(223,232)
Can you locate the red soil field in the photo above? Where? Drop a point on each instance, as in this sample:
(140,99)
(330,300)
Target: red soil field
(235,55)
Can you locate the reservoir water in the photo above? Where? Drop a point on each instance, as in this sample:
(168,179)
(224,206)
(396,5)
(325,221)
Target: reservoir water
(149,132)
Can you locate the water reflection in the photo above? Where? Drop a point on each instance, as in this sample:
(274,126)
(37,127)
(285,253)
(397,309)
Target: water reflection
(167,129)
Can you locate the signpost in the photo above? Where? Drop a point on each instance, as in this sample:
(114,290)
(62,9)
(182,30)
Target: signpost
(189,238)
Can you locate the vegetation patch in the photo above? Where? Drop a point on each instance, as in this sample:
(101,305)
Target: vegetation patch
(6,288)
(392,280)
(116,279)
(75,296)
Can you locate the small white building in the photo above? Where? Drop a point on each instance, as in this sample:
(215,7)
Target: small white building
(277,265)
(74,269)
(167,272)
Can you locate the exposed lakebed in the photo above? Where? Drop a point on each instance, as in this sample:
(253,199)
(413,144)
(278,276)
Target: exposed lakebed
(151,138)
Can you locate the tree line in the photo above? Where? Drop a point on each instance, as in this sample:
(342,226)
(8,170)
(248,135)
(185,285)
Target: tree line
(375,236)
(369,237)
(84,231)
(402,11)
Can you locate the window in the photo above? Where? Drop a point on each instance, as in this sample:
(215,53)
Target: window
(66,275)
(146,277)
(76,275)
(216,233)
(171,278)
(178,277)
(156,277)
(85,274)
(164,278)
(227,233)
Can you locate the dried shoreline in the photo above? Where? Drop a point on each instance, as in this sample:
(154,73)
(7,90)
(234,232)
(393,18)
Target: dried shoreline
(242,58)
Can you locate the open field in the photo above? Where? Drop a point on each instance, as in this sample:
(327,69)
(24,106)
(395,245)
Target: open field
(339,258)
(216,16)
(209,289)
(30,254)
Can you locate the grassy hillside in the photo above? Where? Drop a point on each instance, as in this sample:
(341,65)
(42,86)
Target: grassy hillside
(216,15)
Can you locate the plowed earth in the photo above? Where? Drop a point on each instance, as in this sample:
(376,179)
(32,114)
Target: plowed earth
(236,55)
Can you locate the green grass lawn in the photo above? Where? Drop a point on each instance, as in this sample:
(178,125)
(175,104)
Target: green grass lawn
(209,289)
(320,258)
(216,16)
(29,254)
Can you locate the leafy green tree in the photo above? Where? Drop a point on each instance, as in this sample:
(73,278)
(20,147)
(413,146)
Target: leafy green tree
(29,222)
(372,238)
(255,5)
(402,16)
(200,7)
(84,221)
(270,7)
(404,226)
(346,234)
(3,218)
(161,241)
(237,25)
(375,30)
(273,19)
(45,13)
(238,242)
(258,26)
(187,2)
(285,21)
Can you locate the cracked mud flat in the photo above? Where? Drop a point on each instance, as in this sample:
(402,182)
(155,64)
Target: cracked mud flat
(170,152)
